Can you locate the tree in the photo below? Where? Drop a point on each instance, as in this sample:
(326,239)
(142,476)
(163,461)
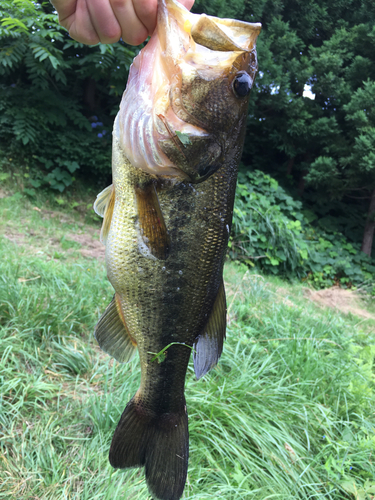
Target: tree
(57,96)
(344,83)
(325,146)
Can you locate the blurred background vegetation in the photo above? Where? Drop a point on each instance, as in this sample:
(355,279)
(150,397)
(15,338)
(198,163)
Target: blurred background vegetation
(305,205)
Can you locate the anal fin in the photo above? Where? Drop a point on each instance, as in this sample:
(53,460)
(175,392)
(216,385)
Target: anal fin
(209,345)
(112,333)
(153,237)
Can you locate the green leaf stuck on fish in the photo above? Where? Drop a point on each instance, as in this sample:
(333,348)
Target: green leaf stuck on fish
(184,138)
(161,355)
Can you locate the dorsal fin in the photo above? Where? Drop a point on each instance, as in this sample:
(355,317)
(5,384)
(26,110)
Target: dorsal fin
(103,206)
(102,200)
(209,345)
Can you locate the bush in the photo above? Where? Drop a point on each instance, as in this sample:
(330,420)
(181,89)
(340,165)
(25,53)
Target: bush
(272,232)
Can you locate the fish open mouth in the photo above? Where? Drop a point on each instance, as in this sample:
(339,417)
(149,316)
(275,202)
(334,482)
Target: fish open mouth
(165,117)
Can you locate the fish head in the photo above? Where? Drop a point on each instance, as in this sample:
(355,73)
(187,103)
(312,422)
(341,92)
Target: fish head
(185,106)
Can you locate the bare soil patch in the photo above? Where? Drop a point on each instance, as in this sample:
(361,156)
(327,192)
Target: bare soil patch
(346,301)
(33,237)
(91,247)
(14,237)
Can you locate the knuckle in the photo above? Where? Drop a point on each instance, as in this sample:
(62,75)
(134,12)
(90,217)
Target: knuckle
(117,4)
(133,39)
(110,33)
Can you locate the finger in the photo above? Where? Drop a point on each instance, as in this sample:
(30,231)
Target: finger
(187,3)
(79,24)
(133,31)
(146,11)
(65,8)
(104,20)
(89,22)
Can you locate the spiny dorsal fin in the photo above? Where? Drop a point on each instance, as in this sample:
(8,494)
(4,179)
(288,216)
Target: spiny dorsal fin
(112,333)
(209,345)
(153,237)
(102,200)
(103,206)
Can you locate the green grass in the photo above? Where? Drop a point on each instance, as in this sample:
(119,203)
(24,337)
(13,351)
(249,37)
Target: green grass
(289,413)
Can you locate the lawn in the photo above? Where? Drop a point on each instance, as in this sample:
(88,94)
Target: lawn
(289,412)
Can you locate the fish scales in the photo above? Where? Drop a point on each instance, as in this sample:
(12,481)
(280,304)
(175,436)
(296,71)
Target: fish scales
(177,142)
(170,301)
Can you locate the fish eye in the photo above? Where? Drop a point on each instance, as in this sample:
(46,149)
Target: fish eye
(242,84)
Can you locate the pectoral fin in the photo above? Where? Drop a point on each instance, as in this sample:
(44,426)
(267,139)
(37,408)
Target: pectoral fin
(112,333)
(103,206)
(153,237)
(209,345)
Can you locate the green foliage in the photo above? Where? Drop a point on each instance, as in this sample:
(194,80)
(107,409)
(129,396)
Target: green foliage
(273,232)
(325,145)
(53,90)
(265,226)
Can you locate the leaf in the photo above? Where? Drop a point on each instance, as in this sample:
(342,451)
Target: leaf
(184,138)
(14,24)
(161,355)
(54,61)
(35,183)
(369,487)
(351,487)
(72,166)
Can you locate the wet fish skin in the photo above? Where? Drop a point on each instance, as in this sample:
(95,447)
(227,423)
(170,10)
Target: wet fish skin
(166,234)
(167,301)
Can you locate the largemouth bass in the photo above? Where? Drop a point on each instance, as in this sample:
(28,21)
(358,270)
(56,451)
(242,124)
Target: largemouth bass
(177,141)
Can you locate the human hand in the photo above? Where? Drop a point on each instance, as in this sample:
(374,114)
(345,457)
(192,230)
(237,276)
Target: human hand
(106,21)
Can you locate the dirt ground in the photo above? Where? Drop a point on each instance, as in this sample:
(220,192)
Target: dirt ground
(346,301)
(35,237)
(91,248)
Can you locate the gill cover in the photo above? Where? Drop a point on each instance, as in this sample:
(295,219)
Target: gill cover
(181,95)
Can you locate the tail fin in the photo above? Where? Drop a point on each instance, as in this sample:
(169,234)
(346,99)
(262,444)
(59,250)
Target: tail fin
(160,443)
